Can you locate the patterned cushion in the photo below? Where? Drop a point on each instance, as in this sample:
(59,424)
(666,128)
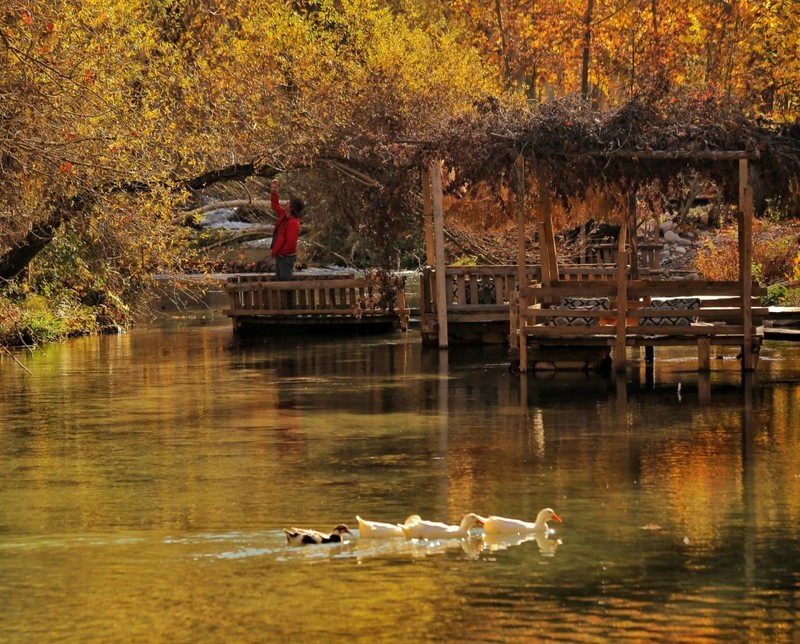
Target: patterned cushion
(487,293)
(579,304)
(674,304)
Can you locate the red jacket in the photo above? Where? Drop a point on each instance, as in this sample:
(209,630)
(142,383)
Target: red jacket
(287,229)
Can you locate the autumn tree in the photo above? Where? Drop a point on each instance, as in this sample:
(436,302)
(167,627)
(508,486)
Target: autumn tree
(117,113)
(610,51)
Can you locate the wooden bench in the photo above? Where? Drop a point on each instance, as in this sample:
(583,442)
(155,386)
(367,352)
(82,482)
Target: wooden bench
(716,317)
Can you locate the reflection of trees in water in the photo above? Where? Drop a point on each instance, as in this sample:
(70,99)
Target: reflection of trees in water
(480,438)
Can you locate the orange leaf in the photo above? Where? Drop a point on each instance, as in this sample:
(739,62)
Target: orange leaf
(65,167)
(26,17)
(88,76)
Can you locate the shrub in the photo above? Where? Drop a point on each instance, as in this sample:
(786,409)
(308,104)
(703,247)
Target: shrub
(29,319)
(774,255)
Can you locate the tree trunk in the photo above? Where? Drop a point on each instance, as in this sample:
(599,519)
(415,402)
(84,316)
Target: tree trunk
(587,42)
(16,260)
(507,67)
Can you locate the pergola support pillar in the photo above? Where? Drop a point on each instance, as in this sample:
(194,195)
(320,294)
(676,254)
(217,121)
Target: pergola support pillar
(746,264)
(435,170)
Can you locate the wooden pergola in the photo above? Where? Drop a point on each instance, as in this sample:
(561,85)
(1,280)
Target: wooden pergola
(730,314)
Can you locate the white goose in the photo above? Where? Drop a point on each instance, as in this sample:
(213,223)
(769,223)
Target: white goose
(378,530)
(503,525)
(434,530)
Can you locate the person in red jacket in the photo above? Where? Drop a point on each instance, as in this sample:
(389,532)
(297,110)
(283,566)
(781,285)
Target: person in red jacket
(284,236)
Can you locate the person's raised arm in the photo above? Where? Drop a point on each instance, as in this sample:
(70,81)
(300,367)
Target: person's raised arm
(275,201)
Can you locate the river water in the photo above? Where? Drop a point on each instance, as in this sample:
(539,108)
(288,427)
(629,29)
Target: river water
(145,480)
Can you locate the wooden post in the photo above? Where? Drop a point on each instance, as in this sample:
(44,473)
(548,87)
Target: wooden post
(620,359)
(521,217)
(704,353)
(547,246)
(746,264)
(582,237)
(438,239)
(704,387)
(522,261)
(633,241)
(427,219)
(402,309)
(740,215)
(522,273)
(544,264)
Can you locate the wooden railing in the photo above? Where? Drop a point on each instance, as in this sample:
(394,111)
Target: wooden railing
(707,312)
(649,256)
(488,294)
(316,296)
(490,289)
(720,305)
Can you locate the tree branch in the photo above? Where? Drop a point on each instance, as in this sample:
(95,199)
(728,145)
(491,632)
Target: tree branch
(184,218)
(354,174)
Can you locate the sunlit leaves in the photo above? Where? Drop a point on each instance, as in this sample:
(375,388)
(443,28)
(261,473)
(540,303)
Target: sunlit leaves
(748,50)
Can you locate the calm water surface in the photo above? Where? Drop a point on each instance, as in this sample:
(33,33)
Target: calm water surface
(145,479)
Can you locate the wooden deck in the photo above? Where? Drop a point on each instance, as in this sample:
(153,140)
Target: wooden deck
(483,303)
(486,306)
(541,323)
(306,302)
(648,313)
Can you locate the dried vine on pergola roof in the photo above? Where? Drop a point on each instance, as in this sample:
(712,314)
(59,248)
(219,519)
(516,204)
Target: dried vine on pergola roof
(571,148)
(573,152)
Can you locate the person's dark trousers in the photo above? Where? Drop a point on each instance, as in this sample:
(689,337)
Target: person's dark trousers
(284,270)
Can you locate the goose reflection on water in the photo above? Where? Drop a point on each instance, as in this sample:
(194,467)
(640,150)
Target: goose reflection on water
(547,546)
(472,546)
(421,529)
(416,548)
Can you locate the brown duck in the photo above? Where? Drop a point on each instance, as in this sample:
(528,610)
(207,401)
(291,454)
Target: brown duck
(301,536)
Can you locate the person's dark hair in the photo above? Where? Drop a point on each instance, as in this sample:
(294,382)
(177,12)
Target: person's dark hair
(297,205)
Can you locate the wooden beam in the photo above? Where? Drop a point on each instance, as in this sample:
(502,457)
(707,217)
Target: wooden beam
(687,155)
(434,167)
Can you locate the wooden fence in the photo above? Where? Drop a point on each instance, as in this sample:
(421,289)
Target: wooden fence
(260,299)
(483,299)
